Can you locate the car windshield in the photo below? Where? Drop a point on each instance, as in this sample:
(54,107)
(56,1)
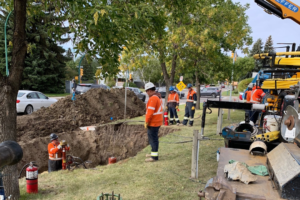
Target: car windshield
(20,94)
(83,88)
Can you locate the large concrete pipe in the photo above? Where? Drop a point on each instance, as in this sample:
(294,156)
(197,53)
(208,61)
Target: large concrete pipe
(10,153)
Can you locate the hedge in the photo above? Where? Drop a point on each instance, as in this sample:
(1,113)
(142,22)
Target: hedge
(244,84)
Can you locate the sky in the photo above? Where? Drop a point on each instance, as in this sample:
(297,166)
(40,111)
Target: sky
(263,25)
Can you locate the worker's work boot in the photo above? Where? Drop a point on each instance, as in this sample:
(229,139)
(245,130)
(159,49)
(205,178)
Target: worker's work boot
(150,160)
(148,155)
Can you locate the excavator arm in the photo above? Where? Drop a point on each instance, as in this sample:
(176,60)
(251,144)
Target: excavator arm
(281,8)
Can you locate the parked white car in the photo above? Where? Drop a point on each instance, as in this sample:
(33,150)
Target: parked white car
(30,101)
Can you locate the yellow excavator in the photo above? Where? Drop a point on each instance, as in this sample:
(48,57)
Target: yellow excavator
(281,8)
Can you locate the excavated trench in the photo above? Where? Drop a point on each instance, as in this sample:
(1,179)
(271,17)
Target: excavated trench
(121,141)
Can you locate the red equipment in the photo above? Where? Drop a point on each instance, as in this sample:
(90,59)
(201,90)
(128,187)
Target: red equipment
(32,179)
(166,118)
(64,158)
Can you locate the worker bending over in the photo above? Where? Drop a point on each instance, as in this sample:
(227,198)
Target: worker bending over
(55,153)
(172,105)
(190,106)
(153,121)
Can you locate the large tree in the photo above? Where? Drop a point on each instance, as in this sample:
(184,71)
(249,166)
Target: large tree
(269,45)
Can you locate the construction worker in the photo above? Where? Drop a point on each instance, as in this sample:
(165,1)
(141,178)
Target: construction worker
(153,121)
(55,153)
(248,93)
(190,106)
(172,105)
(256,98)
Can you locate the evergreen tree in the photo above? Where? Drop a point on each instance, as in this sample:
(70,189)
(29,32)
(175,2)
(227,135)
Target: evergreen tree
(88,69)
(269,45)
(44,68)
(257,47)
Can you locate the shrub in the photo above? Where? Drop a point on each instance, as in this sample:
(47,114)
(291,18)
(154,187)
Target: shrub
(235,91)
(244,84)
(131,84)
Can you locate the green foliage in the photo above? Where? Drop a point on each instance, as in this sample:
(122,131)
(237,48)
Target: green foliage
(44,68)
(130,84)
(111,82)
(244,84)
(235,91)
(269,45)
(256,49)
(242,67)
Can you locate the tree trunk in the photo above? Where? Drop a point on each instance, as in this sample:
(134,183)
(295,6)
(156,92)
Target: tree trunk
(197,89)
(9,87)
(168,79)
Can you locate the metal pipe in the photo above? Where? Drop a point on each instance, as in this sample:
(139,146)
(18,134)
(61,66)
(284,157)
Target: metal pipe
(10,153)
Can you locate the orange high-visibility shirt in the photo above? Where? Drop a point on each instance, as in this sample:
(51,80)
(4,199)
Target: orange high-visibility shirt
(154,111)
(54,152)
(192,97)
(248,98)
(257,95)
(173,98)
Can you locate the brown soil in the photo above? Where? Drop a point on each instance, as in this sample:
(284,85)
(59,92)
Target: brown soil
(120,141)
(94,107)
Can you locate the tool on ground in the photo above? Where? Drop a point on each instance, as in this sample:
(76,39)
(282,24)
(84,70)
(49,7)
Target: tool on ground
(31,177)
(166,118)
(74,162)
(10,153)
(108,196)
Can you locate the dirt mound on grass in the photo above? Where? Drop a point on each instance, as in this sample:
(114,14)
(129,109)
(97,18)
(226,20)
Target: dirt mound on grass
(120,141)
(96,106)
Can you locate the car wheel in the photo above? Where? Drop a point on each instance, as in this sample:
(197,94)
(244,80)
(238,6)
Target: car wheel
(144,98)
(28,110)
(213,95)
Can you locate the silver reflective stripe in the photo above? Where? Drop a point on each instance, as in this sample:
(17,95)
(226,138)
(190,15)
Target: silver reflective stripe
(191,119)
(152,108)
(185,118)
(171,119)
(50,158)
(177,119)
(154,154)
(158,113)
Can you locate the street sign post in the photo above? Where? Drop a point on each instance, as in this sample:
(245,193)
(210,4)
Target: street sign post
(180,86)
(181,78)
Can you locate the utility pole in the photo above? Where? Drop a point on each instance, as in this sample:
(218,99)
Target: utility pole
(233,55)
(126,74)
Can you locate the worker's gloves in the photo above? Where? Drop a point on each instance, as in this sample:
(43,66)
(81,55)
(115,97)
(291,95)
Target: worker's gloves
(63,143)
(146,125)
(166,107)
(193,108)
(59,147)
(176,107)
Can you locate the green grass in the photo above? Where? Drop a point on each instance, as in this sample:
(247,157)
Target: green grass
(169,178)
(227,93)
(57,95)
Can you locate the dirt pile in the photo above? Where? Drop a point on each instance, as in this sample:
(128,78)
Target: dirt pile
(97,106)
(120,141)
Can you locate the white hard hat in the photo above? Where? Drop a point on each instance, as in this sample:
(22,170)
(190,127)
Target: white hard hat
(251,85)
(149,86)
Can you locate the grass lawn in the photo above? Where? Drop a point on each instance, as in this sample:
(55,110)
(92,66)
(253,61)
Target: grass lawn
(227,93)
(57,95)
(169,178)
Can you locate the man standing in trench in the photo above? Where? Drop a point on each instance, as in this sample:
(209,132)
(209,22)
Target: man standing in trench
(153,121)
(55,153)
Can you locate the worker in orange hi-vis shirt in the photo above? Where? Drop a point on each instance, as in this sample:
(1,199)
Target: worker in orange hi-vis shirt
(172,105)
(153,121)
(248,93)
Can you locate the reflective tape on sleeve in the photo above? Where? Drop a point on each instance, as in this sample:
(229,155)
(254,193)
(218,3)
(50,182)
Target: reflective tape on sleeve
(152,108)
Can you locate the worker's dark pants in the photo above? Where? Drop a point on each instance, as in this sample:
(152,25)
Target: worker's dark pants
(254,116)
(153,141)
(189,113)
(173,113)
(54,165)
